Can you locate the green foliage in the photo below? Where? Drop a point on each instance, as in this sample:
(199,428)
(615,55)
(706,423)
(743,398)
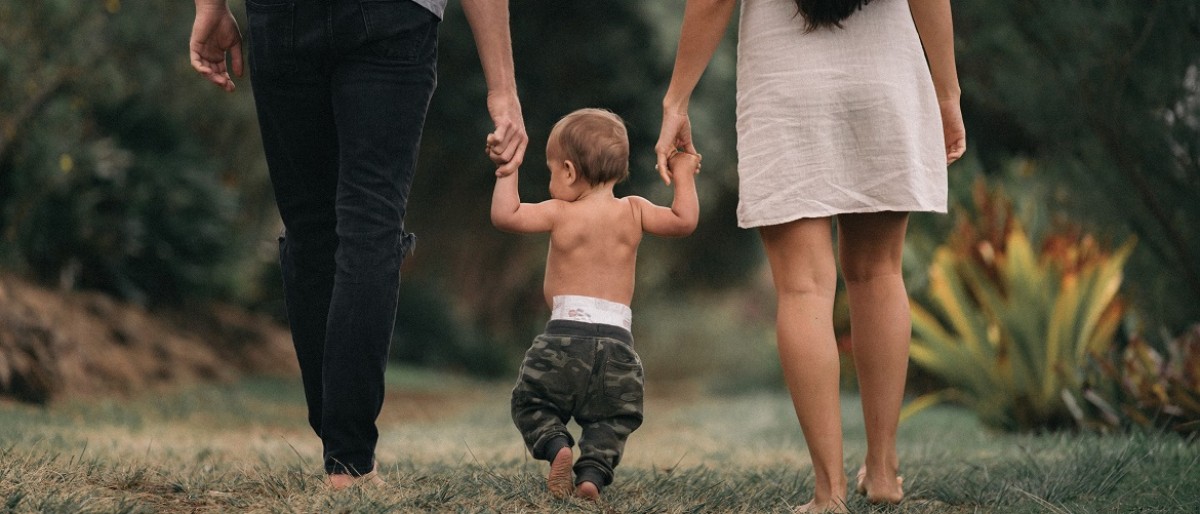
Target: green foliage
(1104,94)
(114,173)
(1141,386)
(1010,328)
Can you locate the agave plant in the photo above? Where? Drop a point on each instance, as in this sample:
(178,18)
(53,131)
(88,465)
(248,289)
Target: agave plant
(1009,327)
(1140,385)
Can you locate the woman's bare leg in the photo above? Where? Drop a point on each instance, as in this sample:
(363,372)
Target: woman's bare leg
(870,247)
(805,275)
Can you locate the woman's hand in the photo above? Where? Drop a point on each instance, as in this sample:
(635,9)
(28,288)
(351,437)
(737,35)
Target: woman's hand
(953,130)
(676,135)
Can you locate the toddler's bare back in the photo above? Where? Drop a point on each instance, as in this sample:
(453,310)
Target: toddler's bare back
(593,250)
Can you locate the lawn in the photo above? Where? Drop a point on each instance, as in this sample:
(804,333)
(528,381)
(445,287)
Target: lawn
(447,445)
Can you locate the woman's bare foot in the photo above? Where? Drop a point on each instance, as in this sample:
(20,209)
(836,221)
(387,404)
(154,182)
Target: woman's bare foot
(830,506)
(879,492)
(560,482)
(588,491)
(340,481)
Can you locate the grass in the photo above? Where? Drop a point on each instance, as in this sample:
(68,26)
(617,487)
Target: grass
(449,447)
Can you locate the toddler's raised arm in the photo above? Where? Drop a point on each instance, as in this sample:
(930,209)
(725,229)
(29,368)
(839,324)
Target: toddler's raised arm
(680,220)
(510,215)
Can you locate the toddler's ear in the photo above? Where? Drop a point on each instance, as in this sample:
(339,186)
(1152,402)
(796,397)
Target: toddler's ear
(572,172)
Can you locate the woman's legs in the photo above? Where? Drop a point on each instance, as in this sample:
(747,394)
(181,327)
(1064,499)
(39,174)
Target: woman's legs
(870,247)
(805,274)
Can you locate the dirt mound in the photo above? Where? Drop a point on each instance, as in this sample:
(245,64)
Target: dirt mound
(55,344)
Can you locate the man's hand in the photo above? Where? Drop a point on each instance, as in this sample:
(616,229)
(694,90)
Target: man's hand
(214,33)
(506,145)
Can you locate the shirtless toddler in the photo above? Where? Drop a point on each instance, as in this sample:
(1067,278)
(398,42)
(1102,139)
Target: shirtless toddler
(584,365)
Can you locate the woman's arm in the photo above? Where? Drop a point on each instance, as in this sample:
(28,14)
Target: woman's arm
(704,23)
(936,28)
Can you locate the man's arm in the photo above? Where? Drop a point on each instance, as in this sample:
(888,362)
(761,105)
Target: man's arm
(213,33)
(489,24)
(510,215)
(683,216)
(935,26)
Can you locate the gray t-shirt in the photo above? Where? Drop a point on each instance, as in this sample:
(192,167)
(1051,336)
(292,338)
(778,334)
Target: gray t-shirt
(437,7)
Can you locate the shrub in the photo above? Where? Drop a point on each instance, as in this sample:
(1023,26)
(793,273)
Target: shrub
(1141,386)
(1009,328)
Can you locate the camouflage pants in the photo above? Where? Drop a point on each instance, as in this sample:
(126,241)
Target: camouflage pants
(587,371)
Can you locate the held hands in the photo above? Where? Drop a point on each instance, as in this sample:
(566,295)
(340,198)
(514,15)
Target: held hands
(506,145)
(214,33)
(953,130)
(683,165)
(675,137)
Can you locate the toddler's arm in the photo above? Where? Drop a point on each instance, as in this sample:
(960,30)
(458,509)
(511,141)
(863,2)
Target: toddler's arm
(510,215)
(680,220)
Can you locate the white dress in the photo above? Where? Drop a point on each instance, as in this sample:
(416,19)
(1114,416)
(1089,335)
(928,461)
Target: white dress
(837,120)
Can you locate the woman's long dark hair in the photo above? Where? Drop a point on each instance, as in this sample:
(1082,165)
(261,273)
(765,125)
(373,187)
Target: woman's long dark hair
(827,13)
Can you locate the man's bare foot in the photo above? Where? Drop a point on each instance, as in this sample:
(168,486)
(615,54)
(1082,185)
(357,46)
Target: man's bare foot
(837,505)
(588,491)
(879,492)
(560,482)
(340,481)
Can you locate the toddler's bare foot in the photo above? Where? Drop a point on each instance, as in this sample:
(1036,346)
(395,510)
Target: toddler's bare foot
(560,482)
(588,491)
(884,491)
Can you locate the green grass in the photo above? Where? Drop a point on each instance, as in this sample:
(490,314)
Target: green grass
(448,446)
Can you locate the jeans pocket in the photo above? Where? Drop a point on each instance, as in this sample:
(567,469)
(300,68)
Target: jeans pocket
(399,30)
(624,379)
(272,37)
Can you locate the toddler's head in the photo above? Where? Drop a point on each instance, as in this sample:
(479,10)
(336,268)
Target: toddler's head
(595,141)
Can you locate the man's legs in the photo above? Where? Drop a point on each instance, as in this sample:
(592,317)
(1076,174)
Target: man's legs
(381,87)
(341,122)
(292,95)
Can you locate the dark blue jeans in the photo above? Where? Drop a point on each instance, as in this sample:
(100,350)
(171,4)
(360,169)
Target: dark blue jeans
(341,88)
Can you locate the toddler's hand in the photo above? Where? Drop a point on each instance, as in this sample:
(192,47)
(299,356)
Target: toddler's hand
(683,163)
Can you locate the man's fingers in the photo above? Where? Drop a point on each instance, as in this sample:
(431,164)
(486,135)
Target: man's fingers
(235,58)
(513,163)
(200,64)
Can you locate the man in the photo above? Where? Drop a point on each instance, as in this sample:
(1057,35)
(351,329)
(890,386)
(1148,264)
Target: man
(341,88)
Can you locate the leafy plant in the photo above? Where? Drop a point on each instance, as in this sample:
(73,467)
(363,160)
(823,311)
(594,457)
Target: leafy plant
(1138,385)
(1010,326)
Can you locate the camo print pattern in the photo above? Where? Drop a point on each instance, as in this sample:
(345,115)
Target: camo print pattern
(597,380)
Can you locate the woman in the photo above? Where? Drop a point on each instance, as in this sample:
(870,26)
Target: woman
(839,114)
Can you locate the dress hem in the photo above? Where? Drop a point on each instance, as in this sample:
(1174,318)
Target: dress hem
(826,214)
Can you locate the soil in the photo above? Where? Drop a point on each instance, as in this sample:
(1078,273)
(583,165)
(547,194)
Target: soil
(56,344)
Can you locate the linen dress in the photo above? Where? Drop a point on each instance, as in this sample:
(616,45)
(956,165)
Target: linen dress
(838,120)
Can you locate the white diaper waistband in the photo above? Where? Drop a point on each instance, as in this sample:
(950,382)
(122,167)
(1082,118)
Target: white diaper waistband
(592,310)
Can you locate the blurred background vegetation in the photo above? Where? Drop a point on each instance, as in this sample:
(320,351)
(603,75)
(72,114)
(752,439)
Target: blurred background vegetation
(122,171)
